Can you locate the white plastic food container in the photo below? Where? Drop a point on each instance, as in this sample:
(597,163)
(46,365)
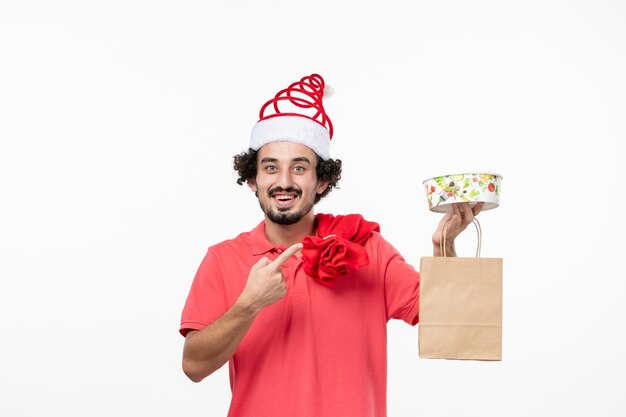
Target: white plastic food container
(446,190)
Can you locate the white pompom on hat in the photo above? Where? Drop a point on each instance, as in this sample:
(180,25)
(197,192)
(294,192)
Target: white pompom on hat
(296,114)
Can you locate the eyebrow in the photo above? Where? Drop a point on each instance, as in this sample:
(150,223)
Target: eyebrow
(267,159)
(301,159)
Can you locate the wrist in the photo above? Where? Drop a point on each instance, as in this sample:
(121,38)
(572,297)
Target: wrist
(448,249)
(247,306)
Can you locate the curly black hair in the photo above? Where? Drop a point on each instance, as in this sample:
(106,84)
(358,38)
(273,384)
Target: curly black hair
(329,170)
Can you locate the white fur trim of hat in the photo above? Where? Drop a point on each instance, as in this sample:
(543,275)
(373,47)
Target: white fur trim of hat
(295,129)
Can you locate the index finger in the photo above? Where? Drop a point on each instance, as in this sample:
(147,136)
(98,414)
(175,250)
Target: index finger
(288,253)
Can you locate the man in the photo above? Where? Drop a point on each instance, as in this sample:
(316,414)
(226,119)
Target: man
(298,306)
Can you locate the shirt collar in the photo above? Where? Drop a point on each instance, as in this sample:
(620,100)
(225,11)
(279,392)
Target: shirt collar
(260,244)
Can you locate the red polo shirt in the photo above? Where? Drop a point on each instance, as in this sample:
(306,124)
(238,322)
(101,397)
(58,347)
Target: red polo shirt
(318,352)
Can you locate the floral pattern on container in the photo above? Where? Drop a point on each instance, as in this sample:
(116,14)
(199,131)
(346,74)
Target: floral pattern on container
(446,190)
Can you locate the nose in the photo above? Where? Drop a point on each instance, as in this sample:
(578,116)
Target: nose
(284,179)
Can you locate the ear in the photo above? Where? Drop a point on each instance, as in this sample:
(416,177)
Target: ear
(252,184)
(321,187)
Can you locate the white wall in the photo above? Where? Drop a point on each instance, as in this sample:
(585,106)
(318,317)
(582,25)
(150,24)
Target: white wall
(118,122)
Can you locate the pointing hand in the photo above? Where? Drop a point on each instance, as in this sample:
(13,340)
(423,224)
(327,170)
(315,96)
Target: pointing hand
(266,283)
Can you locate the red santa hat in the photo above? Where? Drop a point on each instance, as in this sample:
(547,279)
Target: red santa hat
(296,114)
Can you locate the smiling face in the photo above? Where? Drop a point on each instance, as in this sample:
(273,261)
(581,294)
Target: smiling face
(286,182)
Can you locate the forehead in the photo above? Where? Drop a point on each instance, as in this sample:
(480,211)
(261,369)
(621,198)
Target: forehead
(286,151)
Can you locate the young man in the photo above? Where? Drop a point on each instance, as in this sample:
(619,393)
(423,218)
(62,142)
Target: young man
(298,306)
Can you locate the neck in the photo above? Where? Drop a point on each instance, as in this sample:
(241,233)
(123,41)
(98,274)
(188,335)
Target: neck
(287,235)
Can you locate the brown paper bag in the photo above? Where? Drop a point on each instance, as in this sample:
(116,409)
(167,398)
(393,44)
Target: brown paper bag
(460,313)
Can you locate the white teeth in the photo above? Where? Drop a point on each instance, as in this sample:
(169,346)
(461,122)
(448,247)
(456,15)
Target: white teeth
(284,197)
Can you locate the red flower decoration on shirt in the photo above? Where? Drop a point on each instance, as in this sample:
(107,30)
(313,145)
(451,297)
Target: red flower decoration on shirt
(337,247)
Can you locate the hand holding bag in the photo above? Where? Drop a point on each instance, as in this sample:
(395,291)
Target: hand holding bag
(461,306)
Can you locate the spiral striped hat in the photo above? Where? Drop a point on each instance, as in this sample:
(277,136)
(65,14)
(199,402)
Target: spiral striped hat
(296,114)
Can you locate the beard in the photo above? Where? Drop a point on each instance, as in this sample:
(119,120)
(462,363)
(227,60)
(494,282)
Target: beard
(283,216)
(286,219)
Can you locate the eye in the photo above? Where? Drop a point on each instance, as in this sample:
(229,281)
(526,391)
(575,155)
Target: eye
(299,168)
(269,168)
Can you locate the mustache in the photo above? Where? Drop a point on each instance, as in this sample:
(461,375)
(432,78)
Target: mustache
(275,190)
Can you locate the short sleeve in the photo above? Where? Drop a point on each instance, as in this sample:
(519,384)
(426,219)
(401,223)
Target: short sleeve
(206,301)
(401,284)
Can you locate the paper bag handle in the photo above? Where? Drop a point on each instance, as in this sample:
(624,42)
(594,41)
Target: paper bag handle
(479,231)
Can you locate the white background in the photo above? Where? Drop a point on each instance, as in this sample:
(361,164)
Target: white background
(118,123)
